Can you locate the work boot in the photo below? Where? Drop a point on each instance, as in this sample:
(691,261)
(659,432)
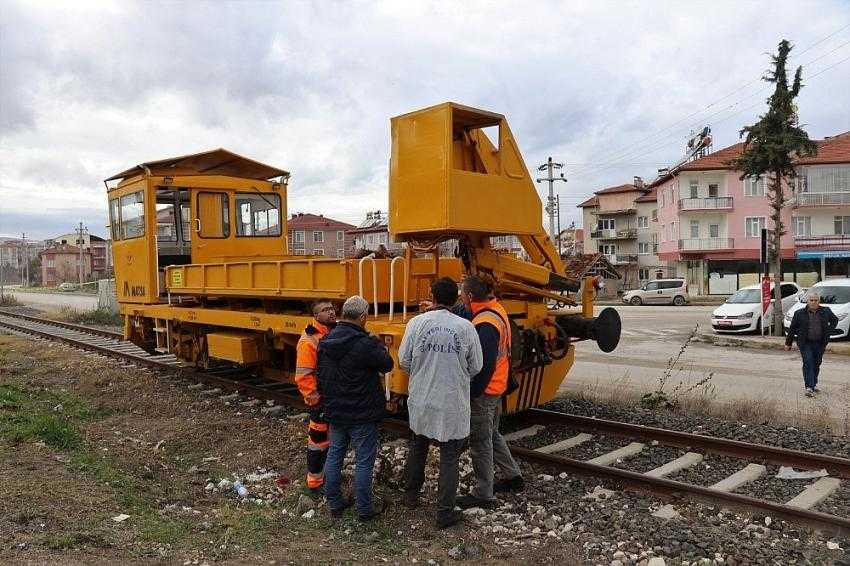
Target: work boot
(410,499)
(508,485)
(453,518)
(338,513)
(470,501)
(379,506)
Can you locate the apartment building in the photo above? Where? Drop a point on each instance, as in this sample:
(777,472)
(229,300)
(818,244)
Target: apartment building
(710,220)
(373,233)
(15,253)
(316,234)
(100,251)
(60,263)
(618,222)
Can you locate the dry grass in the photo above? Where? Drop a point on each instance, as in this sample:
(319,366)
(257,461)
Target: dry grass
(9,301)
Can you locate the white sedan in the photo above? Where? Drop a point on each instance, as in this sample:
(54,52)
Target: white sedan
(742,311)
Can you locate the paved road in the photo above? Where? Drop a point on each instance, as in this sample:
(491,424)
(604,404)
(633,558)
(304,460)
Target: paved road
(654,334)
(55,300)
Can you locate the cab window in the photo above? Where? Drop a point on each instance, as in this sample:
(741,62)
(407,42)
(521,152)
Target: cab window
(114,219)
(213,215)
(257,214)
(133,215)
(652,286)
(166,223)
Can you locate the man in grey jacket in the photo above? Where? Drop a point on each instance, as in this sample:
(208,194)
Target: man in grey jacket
(440,352)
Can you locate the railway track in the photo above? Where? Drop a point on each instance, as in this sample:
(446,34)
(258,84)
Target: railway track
(229,380)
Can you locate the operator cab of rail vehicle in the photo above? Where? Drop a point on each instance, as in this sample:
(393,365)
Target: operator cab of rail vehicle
(204,271)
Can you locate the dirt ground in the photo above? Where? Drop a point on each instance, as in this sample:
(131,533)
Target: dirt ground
(85,441)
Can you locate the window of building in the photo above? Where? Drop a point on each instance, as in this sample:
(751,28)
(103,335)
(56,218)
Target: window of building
(754,187)
(50,262)
(607,224)
(842,225)
(831,179)
(298,238)
(213,215)
(114,219)
(643,274)
(654,214)
(340,252)
(259,214)
(642,222)
(318,236)
(694,228)
(608,249)
(340,236)
(693,188)
(318,251)
(133,215)
(802,226)
(713,190)
(663,232)
(753,226)
(643,248)
(714,230)
(300,252)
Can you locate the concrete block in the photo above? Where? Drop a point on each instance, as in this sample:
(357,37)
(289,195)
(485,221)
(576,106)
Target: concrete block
(746,475)
(680,463)
(815,493)
(523,433)
(618,454)
(562,445)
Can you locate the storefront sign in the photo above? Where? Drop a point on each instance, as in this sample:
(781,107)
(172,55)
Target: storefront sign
(818,255)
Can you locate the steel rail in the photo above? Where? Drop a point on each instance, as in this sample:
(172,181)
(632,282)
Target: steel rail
(68,325)
(660,486)
(838,467)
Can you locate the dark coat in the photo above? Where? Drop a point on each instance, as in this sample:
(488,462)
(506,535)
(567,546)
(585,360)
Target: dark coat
(799,328)
(349,361)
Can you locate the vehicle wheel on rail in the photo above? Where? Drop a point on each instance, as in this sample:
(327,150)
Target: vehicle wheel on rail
(678,300)
(636,301)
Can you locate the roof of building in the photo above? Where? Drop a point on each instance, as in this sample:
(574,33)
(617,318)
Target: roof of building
(717,160)
(651,196)
(834,149)
(214,162)
(308,221)
(627,188)
(579,265)
(64,249)
(592,201)
(374,222)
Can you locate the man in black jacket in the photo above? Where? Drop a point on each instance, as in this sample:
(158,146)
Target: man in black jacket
(350,362)
(811,327)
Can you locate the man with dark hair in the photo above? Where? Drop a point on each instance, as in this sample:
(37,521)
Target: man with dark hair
(441,353)
(811,327)
(349,368)
(486,444)
(324,319)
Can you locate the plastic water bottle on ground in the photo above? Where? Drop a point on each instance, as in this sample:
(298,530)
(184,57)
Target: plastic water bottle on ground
(240,489)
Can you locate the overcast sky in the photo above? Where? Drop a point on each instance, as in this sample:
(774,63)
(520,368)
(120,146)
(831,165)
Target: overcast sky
(87,90)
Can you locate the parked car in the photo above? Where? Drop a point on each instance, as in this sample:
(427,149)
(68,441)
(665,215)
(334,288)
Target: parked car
(67,287)
(660,291)
(834,293)
(742,311)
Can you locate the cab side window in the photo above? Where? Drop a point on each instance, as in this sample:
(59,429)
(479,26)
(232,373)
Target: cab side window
(213,215)
(257,214)
(133,215)
(652,286)
(115,219)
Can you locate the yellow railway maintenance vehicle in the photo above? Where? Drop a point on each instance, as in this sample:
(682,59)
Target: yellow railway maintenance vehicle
(203,268)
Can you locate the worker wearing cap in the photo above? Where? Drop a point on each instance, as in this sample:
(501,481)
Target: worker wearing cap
(324,318)
(488,448)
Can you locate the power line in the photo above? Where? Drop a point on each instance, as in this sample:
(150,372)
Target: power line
(617,155)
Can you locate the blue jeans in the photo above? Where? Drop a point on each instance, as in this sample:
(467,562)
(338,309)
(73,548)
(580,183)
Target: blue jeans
(365,439)
(812,354)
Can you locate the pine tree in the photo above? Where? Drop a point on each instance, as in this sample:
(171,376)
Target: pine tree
(770,148)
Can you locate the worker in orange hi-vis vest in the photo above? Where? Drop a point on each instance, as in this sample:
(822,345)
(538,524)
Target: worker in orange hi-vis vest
(324,318)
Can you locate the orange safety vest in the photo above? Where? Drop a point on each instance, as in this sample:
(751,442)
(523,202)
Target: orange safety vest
(491,312)
(306,357)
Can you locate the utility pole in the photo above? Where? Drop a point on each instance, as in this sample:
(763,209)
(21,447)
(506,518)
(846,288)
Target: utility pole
(25,268)
(558,208)
(551,205)
(80,241)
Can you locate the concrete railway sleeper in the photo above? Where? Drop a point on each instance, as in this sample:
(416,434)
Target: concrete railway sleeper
(227,381)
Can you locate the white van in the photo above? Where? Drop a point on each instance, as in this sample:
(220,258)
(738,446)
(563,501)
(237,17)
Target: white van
(659,292)
(835,294)
(742,311)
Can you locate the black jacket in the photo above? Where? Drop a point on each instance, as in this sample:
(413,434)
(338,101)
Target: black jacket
(349,361)
(799,328)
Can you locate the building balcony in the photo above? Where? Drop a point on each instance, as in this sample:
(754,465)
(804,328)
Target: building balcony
(621,259)
(822,199)
(613,212)
(706,244)
(620,234)
(709,203)
(828,241)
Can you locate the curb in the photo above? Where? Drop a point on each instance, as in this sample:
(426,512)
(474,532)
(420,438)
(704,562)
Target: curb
(839,348)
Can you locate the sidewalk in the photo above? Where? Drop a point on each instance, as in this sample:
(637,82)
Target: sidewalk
(763,343)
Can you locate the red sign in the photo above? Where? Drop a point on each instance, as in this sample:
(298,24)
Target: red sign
(765,294)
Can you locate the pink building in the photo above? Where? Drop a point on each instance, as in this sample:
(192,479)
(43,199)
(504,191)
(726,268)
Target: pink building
(709,220)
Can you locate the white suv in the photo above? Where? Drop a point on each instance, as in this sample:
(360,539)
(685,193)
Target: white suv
(660,291)
(835,294)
